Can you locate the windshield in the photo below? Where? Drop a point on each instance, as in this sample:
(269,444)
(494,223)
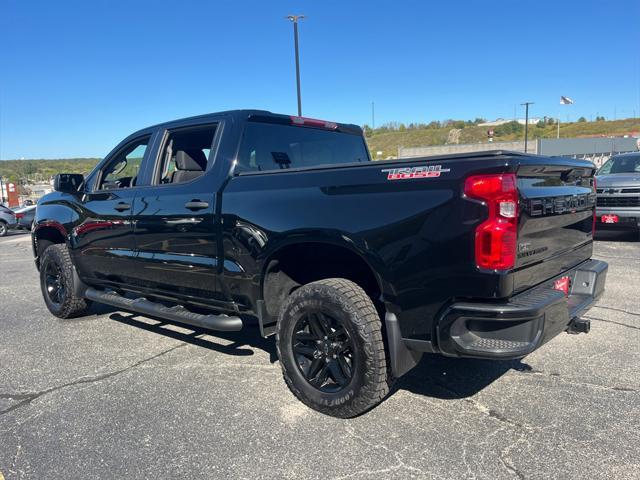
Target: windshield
(626,164)
(268,146)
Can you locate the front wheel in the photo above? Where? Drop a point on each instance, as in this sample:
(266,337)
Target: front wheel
(331,350)
(56,282)
(3,228)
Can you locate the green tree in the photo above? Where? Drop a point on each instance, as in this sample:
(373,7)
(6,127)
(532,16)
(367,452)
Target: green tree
(509,128)
(582,120)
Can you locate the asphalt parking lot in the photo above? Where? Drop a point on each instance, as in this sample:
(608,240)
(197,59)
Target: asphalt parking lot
(114,395)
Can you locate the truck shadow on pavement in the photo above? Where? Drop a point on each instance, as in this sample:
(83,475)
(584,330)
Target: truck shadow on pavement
(248,337)
(454,378)
(435,376)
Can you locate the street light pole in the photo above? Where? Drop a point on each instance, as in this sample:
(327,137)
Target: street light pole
(294,19)
(373,116)
(526,124)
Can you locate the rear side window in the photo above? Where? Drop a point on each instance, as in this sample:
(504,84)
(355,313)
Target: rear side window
(185,154)
(267,146)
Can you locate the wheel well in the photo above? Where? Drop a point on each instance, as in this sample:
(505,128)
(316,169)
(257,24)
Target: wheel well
(298,264)
(45,237)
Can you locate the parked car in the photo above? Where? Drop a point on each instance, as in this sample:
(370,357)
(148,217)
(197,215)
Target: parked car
(7,220)
(357,267)
(25,216)
(618,191)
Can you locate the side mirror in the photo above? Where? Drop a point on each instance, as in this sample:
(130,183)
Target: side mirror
(67,182)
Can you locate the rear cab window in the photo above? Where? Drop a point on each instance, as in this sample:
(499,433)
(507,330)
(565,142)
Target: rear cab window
(273,146)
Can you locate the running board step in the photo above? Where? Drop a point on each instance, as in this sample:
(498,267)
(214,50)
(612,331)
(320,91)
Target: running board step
(177,313)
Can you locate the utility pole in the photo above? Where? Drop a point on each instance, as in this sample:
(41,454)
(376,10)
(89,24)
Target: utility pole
(294,19)
(526,124)
(373,116)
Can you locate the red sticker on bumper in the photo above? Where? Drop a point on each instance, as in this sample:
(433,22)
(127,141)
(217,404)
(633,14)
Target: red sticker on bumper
(562,284)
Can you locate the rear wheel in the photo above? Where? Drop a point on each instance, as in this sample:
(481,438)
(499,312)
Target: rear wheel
(56,282)
(3,228)
(331,350)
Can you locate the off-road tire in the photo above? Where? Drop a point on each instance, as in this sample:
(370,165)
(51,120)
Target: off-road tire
(371,378)
(4,228)
(70,305)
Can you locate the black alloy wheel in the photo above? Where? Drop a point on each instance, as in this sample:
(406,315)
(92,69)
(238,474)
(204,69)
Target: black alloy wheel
(324,351)
(54,283)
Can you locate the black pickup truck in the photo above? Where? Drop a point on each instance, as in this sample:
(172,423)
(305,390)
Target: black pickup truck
(358,267)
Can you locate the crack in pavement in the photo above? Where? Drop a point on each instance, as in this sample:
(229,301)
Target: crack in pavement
(400,465)
(490,412)
(591,317)
(507,462)
(602,255)
(14,469)
(571,382)
(27,398)
(635,314)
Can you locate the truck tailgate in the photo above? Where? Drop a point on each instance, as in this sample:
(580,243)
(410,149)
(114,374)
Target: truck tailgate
(557,202)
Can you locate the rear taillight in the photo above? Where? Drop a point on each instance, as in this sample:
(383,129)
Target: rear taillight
(19,215)
(312,122)
(495,242)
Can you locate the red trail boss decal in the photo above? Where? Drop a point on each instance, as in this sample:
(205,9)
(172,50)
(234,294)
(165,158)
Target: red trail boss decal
(425,171)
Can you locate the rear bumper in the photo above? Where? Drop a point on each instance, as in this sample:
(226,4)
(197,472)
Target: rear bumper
(526,321)
(628,218)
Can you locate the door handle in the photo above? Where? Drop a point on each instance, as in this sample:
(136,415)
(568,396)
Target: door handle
(196,205)
(121,207)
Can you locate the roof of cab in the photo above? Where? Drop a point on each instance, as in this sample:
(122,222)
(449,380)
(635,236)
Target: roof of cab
(239,114)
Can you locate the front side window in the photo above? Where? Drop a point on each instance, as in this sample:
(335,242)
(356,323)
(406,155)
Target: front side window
(267,146)
(122,170)
(185,154)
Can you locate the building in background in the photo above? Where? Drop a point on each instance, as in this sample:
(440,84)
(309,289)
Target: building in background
(598,150)
(502,121)
(34,191)
(8,194)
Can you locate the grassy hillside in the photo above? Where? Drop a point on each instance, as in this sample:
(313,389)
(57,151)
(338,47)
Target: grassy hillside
(34,171)
(388,139)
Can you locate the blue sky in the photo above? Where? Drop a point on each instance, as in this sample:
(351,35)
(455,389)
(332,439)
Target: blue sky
(78,76)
